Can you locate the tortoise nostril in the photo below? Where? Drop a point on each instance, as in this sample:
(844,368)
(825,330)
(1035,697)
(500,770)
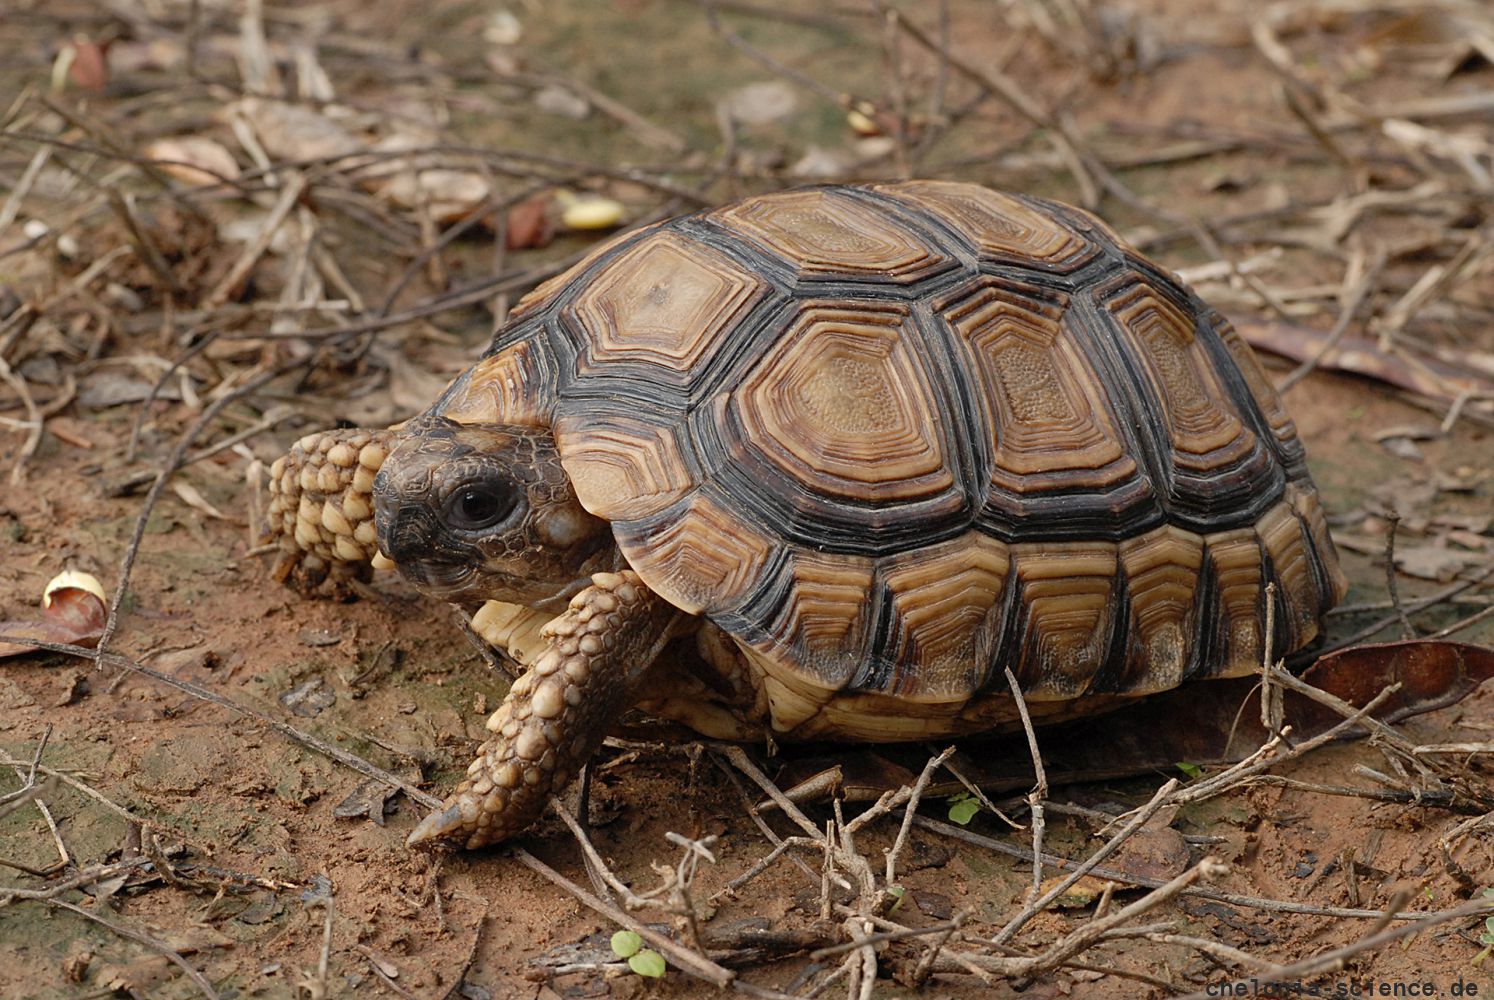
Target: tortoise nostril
(406,533)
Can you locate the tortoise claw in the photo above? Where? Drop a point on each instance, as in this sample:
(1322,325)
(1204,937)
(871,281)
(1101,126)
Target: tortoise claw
(443,824)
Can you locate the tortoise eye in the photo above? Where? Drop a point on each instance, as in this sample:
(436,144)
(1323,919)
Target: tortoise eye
(478,506)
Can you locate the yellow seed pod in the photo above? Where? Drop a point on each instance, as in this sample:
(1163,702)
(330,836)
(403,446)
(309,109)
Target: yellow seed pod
(590,212)
(862,119)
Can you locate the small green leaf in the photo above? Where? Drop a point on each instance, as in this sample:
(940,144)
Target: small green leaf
(648,963)
(625,944)
(898,893)
(963,807)
(1191,770)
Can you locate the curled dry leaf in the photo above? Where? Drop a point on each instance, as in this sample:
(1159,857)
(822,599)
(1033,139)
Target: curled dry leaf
(449,195)
(192,497)
(83,63)
(292,133)
(73,611)
(194,159)
(1431,377)
(407,174)
(529,224)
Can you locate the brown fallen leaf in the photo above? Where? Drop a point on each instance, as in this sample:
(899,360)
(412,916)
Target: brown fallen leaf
(194,159)
(1156,852)
(1433,562)
(86,63)
(529,224)
(142,977)
(1436,379)
(73,611)
(293,133)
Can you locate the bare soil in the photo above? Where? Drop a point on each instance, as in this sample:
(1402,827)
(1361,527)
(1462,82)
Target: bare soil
(1180,99)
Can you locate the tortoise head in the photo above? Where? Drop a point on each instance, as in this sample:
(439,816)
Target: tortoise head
(475,512)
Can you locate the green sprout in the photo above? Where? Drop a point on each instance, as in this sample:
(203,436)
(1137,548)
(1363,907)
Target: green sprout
(1191,770)
(898,893)
(644,961)
(1487,937)
(963,807)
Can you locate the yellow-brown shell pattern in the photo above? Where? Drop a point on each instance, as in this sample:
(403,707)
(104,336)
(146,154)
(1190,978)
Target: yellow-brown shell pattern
(897,438)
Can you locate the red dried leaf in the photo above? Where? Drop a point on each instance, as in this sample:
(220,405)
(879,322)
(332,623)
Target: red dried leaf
(529,225)
(88,70)
(70,615)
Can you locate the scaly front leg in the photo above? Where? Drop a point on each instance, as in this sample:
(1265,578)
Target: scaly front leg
(321,508)
(596,661)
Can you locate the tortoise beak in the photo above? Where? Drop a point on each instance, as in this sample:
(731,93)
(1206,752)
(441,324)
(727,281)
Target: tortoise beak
(406,531)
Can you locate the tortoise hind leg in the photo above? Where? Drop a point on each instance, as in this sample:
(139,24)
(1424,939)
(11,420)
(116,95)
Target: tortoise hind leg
(321,508)
(597,656)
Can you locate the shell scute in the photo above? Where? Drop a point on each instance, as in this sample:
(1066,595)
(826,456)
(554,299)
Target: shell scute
(1002,228)
(826,234)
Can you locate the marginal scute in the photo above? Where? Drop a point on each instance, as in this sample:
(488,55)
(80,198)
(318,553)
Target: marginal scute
(1235,561)
(1309,509)
(844,406)
(817,616)
(504,388)
(947,616)
(1205,431)
(1162,573)
(1067,611)
(825,234)
(667,301)
(1003,228)
(1281,538)
(700,556)
(623,467)
(547,290)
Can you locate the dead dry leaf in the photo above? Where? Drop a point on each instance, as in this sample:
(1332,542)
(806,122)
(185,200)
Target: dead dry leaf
(529,225)
(448,195)
(761,103)
(292,133)
(73,612)
(1427,376)
(85,63)
(194,159)
(193,498)
(1432,562)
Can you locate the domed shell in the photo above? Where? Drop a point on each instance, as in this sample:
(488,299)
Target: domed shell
(897,438)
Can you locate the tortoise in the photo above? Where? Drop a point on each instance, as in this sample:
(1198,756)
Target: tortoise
(826,464)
